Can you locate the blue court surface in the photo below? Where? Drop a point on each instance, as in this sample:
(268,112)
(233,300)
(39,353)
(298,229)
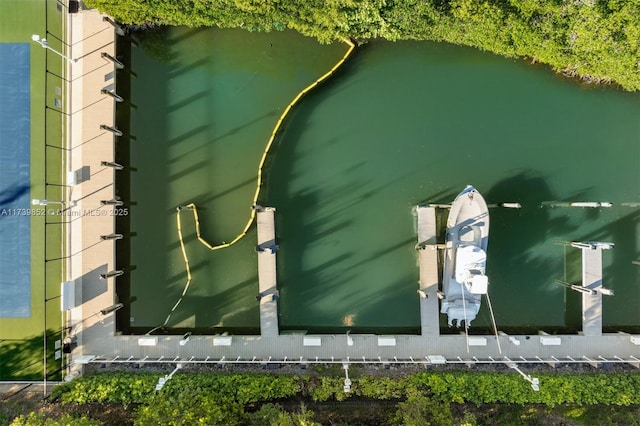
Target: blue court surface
(15,222)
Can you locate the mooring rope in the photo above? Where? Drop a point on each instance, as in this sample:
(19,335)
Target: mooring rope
(252,216)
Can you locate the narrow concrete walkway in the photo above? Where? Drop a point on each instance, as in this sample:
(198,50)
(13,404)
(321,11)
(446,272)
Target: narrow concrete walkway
(267,272)
(89,256)
(428,263)
(592,279)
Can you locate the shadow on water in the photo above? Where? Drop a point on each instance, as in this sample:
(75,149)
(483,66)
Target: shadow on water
(155,42)
(145,202)
(207,197)
(299,282)
(525,259)
(619,270)
(235,130)
(518,268)
(212,313)
(187,101)
(187,34)
(316,273)
(189,67)
(219,94)
(301,285)
(331,182)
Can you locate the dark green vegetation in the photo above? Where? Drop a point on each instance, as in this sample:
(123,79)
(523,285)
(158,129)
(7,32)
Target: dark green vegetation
(424,398)
(597,40)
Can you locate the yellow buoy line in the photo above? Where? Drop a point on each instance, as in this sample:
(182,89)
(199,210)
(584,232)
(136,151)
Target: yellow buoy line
(252,216)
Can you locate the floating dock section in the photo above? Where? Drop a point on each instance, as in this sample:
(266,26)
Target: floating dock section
(267,248)
(592,303)
(592,289)
(428,262)
(592,279)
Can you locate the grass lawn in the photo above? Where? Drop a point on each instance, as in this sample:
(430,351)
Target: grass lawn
(22,339)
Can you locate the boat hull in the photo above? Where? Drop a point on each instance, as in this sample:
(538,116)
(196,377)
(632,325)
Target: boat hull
(464,280)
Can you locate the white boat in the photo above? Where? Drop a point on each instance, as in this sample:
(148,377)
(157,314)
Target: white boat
(464,280)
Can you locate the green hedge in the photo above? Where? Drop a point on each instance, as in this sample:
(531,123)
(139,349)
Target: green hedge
(486,388)
(186,399)
(510,388)
(139,388)
(119,388)
(596,39)
(458,387)
(41,419)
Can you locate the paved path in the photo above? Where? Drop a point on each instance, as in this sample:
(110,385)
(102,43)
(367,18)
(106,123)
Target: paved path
(17,390)
(89,146)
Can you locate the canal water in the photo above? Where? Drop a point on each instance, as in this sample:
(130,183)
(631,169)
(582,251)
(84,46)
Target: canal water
(206,103)
(401,124)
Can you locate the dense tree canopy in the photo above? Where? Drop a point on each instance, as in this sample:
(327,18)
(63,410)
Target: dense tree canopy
(597,40)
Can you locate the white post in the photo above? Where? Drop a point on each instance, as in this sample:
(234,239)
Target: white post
(43,42)
(347,381)
(163,380)
(535,383)
(37,202)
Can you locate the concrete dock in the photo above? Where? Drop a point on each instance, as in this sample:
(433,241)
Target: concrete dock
(428,263)
(267,279)
(592,303)
(89,145)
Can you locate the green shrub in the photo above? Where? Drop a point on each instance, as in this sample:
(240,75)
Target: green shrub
(419,410)
(40,419)
(274,415)
(509,388)
(119,388)
(327,388)
(221,398)
(126,388)
(189,410)
(380,388)
(598,40)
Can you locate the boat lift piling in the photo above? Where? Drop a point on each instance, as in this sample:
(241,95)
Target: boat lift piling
(505,205)
(491,206)
(583,204)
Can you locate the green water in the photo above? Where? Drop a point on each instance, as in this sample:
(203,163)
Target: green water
(401,124)
(202,120)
